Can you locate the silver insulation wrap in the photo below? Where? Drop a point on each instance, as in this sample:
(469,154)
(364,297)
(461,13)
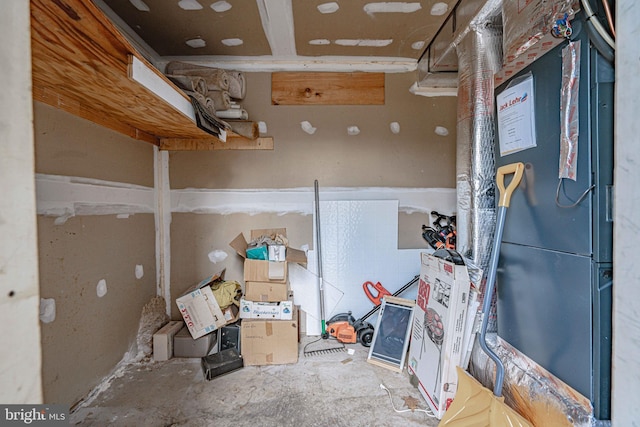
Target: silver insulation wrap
(479,57)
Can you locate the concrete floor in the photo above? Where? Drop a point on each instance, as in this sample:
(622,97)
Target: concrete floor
(334,389)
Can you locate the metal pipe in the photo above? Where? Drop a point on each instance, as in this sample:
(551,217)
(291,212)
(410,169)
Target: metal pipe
(319,258)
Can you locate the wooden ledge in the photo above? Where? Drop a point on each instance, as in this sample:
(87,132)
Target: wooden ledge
(234,142)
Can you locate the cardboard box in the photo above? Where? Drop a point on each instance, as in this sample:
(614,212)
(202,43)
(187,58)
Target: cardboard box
(184,345)
(269,342)
(266,291)
(281,310)
(438,330)
(292,255)
(199,308)
(163,340)
(265,271)
(471,326)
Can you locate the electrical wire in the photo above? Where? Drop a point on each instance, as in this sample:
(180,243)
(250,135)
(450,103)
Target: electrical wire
(607,12)
(427,412)
(593,19)
(582,196)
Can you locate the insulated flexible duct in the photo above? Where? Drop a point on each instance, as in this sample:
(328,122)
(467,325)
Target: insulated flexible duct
(479,57)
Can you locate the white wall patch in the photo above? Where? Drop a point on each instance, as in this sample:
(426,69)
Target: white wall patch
(196,43)
(262,128)
(122,216)
(232,42)
(319,42)
(364,42)
(306,126)
(190,4)
(439,9)
(442,131)
(277,23)
(353,130)
(217,256)
(300,200)
(139,271)
(330,7)
(392,7)
(395,127)
(61,219)
(417,45)
(140,5)
(221,6)
(68,196)
(101,288)
(47,310)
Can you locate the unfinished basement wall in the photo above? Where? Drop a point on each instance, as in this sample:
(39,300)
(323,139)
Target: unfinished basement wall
(96,248)
(415,166)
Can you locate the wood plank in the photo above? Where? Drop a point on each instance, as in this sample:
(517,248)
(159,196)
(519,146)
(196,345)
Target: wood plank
(49,97)
(78,54)
(306,88)
(233,143)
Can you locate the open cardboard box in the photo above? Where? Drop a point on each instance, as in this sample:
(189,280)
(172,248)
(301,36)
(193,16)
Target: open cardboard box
(199,307)
(256,270)
(240,245)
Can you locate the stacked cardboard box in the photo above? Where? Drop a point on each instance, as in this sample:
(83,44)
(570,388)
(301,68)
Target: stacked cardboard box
(269,327)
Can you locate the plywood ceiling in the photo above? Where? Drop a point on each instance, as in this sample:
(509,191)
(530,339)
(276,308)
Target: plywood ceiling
(305,32)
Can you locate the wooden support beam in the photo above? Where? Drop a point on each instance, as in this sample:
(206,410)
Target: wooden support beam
(327,88)
(233,143)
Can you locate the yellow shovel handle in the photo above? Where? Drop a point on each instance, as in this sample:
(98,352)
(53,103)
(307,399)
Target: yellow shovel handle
(517,170)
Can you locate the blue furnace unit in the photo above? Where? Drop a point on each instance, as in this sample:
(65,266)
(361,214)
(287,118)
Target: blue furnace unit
(554,278)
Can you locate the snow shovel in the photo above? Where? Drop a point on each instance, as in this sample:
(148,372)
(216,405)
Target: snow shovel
(475,405)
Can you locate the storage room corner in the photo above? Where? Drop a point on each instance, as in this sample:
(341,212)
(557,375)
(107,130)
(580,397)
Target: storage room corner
(286,213)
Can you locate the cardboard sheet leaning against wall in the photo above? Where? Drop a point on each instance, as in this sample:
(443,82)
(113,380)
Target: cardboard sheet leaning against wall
(438,330)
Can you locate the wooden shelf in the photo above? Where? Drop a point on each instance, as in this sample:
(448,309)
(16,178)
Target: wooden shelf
(80,64)
(233,143)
